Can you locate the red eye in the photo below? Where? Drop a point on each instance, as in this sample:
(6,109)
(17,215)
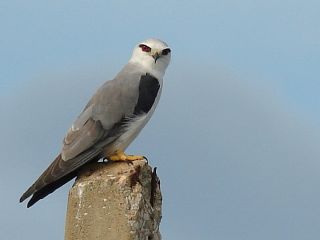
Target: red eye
(145,48)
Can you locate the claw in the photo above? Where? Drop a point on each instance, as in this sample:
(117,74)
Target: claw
(145,158)
(129,162)
(121,156)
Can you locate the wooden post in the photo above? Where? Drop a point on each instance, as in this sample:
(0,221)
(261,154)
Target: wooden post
(115,201)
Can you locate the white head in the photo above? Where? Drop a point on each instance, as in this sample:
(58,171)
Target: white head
(153,55)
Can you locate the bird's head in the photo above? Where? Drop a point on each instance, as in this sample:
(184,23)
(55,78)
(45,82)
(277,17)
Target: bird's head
(153,54)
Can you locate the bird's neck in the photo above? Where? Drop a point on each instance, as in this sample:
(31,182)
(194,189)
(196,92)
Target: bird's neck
(157,70)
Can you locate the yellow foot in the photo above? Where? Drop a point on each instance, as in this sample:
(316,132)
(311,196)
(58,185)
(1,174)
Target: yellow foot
(121,156)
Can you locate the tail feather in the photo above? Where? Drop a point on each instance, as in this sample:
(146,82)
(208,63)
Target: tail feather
(46,190)
(27,194)
(57,174)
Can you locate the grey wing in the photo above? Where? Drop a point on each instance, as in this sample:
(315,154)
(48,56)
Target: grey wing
(104,111)
(84,133)
(96,126)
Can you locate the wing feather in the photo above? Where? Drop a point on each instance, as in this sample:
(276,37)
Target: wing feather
(100,123)
(77,140)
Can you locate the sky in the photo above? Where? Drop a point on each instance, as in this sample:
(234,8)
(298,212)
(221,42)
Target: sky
(235,136)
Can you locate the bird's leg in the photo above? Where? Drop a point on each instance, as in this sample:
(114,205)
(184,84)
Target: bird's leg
(121,156)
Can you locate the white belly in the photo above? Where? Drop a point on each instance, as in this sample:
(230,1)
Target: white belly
(133,128)
(131,131)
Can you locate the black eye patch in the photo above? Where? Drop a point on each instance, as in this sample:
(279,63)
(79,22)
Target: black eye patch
(166,51)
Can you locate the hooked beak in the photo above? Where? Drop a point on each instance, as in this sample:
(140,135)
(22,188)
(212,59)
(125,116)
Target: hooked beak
(156,56)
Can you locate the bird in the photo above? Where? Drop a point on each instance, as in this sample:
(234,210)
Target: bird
(111,120)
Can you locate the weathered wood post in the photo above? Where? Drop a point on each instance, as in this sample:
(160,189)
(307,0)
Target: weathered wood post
(115,201)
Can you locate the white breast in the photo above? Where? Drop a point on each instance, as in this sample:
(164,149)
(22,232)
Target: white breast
(134,126)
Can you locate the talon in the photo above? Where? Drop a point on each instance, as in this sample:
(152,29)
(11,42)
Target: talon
(145,158)
(129,162)
(121,156)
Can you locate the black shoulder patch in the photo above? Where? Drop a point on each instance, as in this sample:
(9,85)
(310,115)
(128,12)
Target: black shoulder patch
(148,91)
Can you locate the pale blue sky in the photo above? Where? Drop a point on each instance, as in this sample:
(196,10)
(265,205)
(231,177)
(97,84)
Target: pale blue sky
(235,137)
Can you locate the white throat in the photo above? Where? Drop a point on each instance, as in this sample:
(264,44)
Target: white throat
(155,69)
